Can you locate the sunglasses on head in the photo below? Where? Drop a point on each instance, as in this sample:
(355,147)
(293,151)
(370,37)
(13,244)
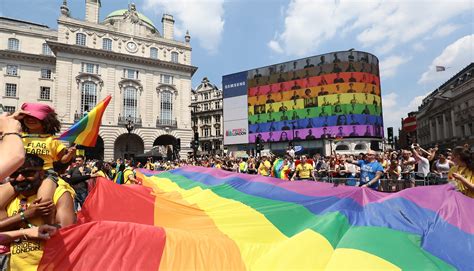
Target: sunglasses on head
(27,173)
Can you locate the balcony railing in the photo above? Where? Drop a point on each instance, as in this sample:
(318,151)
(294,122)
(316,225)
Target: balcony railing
(166,123)
(137,121)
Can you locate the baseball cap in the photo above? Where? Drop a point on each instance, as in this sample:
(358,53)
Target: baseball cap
(37,110)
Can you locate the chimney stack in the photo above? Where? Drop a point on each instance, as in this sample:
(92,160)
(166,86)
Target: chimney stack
(92,11)
(168,26)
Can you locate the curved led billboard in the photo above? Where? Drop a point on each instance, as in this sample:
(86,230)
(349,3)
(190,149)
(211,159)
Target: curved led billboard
(336,95)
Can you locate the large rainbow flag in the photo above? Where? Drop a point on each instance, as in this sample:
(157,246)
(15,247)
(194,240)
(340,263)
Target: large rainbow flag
(196,218)
(86,130)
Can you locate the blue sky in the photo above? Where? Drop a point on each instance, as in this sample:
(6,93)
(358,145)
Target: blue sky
(410,37)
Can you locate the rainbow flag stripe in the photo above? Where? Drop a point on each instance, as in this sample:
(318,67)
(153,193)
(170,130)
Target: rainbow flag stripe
(196,218)
(86,130)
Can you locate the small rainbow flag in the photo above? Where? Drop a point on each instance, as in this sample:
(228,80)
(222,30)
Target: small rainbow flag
(86,130)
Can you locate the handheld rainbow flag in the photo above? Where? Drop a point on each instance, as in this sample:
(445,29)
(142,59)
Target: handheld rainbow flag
(86,130)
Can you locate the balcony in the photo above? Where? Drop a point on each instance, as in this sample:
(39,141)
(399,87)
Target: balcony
(161,123)
(137,121)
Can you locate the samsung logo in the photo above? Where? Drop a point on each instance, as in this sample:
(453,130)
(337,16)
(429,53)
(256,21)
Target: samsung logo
(234,85)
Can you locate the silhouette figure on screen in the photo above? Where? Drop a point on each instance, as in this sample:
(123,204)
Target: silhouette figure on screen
(270,108)
(364,58)
(308,64)
(354,131)
(375,102)
(377,130)
(295,116)
(284,116)
(362,67)
(338,109)
(352,120)
(352,110)
(338,99)
(257,91)
(325,121)
(283,108)
(295,76)
(308,102)
(308,93)
(341,120)
(270,117)
(282,68)
(310,135)
(338,89)
(366,95)
(323,92)
(270,137)
(295,105)
(280,78)
(336,59)
(269,99)
(325,134)
(323,81)
(353,100)
(297,136)
(367,131)
(351,90)
(322,60)
(295,86)
(366,110)
(295,95)
(261,138)
(272,127)
(352,79)
(325,102)
(310,123)
(338,79)
(283,137)
(257,74)
(351,57)
(336,68)
(373,90)
(350,68)
(340,132)
(363,79)
(321,71)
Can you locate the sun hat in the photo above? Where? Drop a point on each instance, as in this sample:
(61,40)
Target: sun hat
(37,110)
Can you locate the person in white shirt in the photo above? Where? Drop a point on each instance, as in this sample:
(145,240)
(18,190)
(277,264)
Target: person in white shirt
(422,161)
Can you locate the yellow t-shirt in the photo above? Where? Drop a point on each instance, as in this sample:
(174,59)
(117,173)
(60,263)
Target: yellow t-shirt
(264,168)
(469,175)
(126,173)
(304,171)
(26,254)
(44,146)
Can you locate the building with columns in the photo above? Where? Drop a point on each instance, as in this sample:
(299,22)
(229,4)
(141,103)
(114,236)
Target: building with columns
(145,69)
(207,117)
(446,116)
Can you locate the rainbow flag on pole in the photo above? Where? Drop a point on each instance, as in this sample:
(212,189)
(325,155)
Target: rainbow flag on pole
(86,130)
(196,218)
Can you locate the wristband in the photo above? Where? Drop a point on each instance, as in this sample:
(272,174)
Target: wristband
(22,216)
(6,134)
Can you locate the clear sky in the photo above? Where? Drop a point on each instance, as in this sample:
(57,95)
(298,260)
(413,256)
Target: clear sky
(410,37)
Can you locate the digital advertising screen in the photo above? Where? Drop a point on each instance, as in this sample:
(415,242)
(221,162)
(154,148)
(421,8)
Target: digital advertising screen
(336,95)
(235,91)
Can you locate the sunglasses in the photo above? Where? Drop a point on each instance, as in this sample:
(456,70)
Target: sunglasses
(27,173)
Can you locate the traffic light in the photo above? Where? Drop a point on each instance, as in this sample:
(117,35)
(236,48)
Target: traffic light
(390,135)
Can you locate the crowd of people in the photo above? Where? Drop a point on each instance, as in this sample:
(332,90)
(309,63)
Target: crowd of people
(45,183)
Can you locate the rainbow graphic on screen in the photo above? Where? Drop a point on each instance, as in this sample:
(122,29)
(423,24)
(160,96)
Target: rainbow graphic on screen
(336,95)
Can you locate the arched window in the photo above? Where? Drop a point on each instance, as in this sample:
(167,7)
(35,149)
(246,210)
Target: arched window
(342,147)
(166,106)
(174,57)
(360,147)
(46,50)
(154,53)
(81,39)
(130,102)
(88,96)
(13,44)
(107,44)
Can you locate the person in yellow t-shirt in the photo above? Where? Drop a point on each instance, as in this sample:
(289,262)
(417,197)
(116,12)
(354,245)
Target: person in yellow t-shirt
(463,171)
(40,123)
(265,167)
(26,253)
(304,170)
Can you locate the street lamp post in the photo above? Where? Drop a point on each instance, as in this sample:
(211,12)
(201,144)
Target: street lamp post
(194,139)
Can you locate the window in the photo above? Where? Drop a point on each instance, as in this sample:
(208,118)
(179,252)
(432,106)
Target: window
(81,39)
(342,148)
(206,132)
(174,57)
(130,74)
(130,99)
(166,107)
(90,68)
(12,70)
(46,50)
(206,106)
(9,109)
(88,97)
(13,44)
(166,79)
(107,44)
(45,93)
(45,73)
(217,105)
(10,90)
(206,96)
(217,119)
(360,147)
(154,53)
(207,120)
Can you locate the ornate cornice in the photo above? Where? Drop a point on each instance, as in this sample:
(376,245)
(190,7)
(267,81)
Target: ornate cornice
(130,82)
(17,55)
(98,53)
(85,77)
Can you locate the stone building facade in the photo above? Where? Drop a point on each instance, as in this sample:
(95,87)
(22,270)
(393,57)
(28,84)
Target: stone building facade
(207,117)
(145,70)
(446,116)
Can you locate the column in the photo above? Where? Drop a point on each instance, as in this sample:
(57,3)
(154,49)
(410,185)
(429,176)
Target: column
(432,130)
(453,124)
(445,127)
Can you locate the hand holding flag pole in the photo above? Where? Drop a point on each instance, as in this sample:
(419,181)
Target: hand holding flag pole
(86,130)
